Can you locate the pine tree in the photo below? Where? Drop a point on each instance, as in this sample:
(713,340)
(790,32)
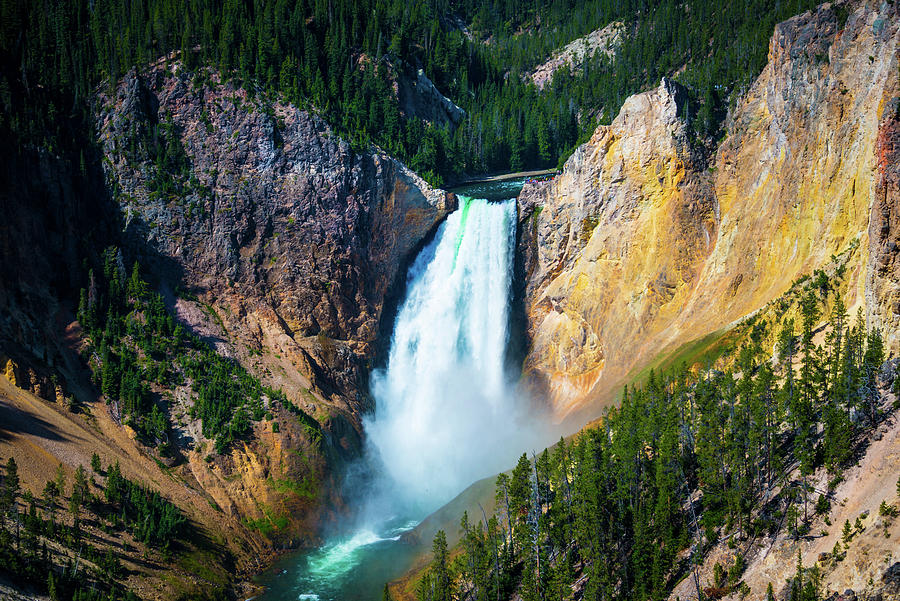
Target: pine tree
(52,589)
(771,418)
(59,479)
(83,311)
(838,427)
(11,485)
(81,485)
(847,532)
(803,409)
(872,360)
(835,342)
(436,583)
(136,286)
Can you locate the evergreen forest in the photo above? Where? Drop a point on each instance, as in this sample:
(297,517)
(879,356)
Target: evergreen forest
(49,544)
(689,458)
(342,59)
(136,348)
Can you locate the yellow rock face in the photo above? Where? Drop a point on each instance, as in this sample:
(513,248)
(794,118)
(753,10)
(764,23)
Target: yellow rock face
(639,246)
(9,372)
(618,238)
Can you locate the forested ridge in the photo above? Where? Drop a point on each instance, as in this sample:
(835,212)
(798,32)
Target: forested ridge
(342,59)
(627,509)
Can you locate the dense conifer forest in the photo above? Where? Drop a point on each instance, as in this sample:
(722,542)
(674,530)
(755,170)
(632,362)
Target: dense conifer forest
(687,459)
(342,59)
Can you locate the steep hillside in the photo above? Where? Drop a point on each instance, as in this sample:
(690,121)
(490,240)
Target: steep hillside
(47,440)
(862,559)
(271,241)
(642,244)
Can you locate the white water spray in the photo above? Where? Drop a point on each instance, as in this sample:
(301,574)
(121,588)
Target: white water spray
(446,412)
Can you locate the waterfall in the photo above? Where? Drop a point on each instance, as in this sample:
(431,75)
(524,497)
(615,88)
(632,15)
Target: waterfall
(446,410)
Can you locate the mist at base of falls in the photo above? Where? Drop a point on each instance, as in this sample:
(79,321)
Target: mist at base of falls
(448,411)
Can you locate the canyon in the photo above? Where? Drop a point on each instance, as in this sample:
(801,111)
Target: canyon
(286,249)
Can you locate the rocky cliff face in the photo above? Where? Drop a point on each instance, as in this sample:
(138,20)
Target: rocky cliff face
(620,238)
(420,98)
(49,205)
(277,243)
(573,55)
(641,245)
(274,240)
(883,270)
(280,224)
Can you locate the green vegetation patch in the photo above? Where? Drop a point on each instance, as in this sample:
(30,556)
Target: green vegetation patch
(136,343)
(270,523)
(307,488)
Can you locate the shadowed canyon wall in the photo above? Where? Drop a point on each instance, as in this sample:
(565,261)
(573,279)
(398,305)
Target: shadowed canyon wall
(273,239)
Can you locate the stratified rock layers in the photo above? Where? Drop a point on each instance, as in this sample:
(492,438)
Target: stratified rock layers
(640,244)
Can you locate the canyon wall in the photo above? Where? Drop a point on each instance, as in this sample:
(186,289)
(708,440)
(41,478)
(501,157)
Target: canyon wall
(298,238)
(273,239)
(279,244)
(643,243)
